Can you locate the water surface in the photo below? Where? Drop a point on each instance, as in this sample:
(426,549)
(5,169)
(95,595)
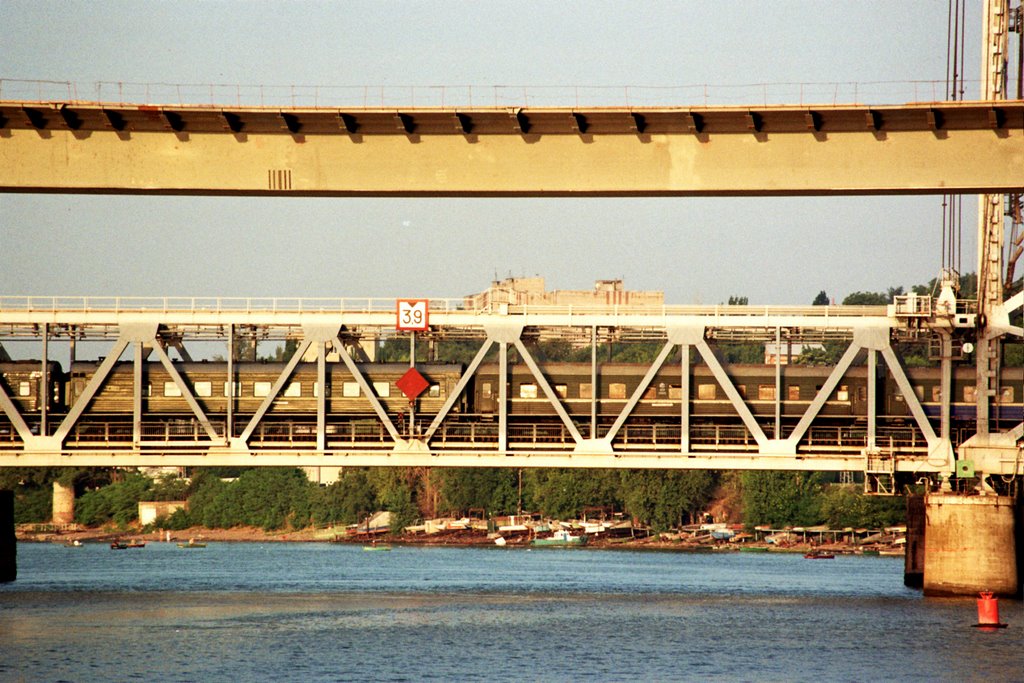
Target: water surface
(319,612)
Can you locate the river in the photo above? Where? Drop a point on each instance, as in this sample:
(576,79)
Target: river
(329,612)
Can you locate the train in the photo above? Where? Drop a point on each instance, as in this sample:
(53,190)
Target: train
(572,383)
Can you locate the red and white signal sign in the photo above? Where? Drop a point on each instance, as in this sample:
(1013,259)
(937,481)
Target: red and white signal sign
(413,315)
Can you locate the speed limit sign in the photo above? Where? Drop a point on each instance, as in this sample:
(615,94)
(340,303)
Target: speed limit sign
(412,314)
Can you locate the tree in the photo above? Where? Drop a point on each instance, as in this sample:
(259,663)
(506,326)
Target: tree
(779,498)
(738,301)
(821,299)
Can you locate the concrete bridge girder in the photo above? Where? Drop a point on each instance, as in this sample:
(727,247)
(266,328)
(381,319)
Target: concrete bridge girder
(958,147)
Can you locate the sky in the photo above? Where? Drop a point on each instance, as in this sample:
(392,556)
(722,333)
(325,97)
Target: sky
(696,250)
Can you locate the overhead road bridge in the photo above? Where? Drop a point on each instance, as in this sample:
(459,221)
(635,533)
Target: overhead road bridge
(97,147)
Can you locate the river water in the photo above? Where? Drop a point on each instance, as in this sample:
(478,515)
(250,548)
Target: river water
(327,612)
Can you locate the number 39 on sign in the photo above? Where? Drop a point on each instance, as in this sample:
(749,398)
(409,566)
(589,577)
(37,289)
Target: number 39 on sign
(412,314)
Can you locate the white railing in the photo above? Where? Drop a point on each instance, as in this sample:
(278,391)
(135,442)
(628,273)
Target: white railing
(469,96)
(183,304)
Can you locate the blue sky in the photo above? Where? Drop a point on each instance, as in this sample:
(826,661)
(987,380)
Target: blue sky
(773,250)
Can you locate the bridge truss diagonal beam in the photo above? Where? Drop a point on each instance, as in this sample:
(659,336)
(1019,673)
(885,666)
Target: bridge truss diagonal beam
(279,383)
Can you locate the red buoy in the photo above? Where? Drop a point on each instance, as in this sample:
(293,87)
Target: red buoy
(988,611)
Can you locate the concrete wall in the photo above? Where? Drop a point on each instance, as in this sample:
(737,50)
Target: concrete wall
(149,511)
(63,504)
(971,545)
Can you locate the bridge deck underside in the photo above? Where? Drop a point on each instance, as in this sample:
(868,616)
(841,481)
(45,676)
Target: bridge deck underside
(916,148)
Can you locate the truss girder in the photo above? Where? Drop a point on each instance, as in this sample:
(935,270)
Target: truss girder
(152,333)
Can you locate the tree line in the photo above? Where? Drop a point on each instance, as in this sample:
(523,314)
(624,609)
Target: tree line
(283,498)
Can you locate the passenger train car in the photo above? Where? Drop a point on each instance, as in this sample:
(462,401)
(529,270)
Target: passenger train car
(572,383)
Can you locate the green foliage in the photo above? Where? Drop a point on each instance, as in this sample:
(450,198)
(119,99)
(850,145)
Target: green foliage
(168,487)
(564,493)
(667,499)
(118,502)
(846,506)
(176,521)
(821,300)
(738,301)
(779,498)
(347,501)
(495,490)
(33,504)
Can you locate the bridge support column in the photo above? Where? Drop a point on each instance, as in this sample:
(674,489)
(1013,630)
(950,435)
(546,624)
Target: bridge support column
(63,504)
(913,564)
(8,543)
(971,545)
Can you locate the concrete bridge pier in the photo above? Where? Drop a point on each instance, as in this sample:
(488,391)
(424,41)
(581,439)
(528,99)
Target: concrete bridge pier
(972,543)
(8,543)
(63,504)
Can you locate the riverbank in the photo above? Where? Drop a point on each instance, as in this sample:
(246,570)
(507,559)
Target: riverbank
(460,537)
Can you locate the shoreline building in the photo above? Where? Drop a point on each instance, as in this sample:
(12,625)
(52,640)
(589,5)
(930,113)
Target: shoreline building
(527,291)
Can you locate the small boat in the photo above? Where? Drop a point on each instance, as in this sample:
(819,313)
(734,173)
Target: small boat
(819,555)
(500,540)
(73,544)
(119,545)
(562,537)
(376,547)
(192,543)
(753,549)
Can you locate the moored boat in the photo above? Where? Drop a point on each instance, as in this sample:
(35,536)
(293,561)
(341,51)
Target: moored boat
(819,555)
(562,537)
(192,543)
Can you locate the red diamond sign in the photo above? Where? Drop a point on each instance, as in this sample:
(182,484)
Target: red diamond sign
(412,384)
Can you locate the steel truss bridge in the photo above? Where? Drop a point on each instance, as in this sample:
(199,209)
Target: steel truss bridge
(140,329)
(918,147)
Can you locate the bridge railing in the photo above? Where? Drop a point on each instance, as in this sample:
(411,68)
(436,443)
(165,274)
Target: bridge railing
(470,96)
(292,305)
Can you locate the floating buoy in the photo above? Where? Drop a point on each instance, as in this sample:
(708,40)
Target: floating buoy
(988,611)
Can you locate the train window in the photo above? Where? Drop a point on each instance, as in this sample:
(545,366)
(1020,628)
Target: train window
(616,390)
(862,394)
(765,392)
(743,390)
(434,391)
(382,389)
(293,389)
(171,389)
(794,392)
(937,393)
(562,390)
(350,389)
(586,390)
(203,389)
(261,389)
(706,392)
(149,390)
(1006,395)
(24,389)
(651,393)
(970,393)
(675,392)
(527,391)
(237,387)
(844,393)
(919,390)
(485,390)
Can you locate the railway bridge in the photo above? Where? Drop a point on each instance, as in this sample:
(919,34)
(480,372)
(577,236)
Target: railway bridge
(936,147)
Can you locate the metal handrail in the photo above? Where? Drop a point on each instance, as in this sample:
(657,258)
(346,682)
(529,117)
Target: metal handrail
(291,305)
(419,96)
